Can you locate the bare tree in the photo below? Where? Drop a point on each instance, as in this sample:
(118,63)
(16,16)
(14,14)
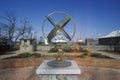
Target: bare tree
(26,29)
(11,29)
(2,32)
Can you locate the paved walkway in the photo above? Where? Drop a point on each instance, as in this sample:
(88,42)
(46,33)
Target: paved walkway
(88,73)
(9,54)
(14,53)
(115,56)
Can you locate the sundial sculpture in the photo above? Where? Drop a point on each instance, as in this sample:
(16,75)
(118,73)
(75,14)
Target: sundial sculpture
(58,28)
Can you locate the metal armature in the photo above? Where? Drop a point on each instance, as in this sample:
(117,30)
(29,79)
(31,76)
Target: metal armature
(58,27)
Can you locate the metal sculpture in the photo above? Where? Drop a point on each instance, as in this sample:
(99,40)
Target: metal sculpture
(59,62)
(58,27)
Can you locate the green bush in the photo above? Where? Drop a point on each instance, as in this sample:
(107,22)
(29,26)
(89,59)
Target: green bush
(84,54)
(96,55)
(36,55)
(67,49)
(53,50)
(17,45)
(83,50)
(26,55)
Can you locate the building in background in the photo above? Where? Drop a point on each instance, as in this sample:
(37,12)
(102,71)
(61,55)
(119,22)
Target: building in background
(80,41)
(112,38)
(91,41)
(27,45)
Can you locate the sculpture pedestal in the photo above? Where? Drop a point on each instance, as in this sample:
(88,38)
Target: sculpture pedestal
(63,73)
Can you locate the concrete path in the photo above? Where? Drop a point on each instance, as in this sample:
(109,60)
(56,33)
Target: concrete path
(115,56)
(14,53)
(9,54)
(88,73)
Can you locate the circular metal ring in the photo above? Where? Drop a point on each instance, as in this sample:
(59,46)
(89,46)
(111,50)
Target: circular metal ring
(58,12)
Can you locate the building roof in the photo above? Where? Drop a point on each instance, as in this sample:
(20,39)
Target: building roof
(112,34)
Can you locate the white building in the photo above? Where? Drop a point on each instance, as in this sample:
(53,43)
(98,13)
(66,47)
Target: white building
(112,38)
(27,45)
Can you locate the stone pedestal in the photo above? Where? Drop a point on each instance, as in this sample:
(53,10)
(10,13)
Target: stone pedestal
(52,73)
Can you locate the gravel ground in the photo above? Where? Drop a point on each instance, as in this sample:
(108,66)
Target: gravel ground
(88,73)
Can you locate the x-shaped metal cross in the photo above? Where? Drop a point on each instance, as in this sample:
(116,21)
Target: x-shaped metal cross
(58,28)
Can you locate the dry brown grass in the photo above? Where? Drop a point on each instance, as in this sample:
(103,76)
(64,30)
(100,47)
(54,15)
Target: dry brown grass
(88,61)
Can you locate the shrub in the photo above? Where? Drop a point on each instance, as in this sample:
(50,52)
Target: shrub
(26,55)
(96,55)
(36,55)
(16,46)
(23,55)
(4,48)
(83,50)
(67,49)
(53,50)
(84,54)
